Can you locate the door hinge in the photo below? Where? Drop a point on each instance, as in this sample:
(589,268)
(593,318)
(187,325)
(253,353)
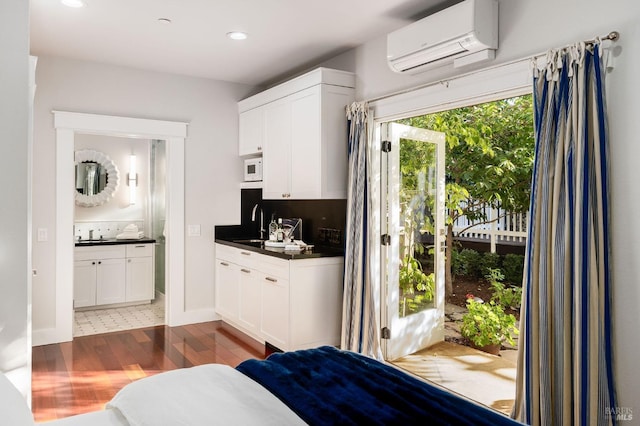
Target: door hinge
(386,146)
(385,239)
(385,333)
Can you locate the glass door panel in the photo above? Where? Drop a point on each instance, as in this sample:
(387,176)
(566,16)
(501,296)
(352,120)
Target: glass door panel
(412,228)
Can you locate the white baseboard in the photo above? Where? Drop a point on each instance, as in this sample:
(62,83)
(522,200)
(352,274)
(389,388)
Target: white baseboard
(48,336)
(192,317)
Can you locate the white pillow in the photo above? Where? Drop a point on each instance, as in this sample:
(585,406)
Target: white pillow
(13,407)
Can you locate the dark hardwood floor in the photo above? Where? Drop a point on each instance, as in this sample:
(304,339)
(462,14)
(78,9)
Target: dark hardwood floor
(83,375)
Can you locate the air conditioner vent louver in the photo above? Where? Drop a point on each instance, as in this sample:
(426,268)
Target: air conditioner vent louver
(460,30)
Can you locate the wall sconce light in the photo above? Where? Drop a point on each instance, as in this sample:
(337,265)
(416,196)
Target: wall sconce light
(132,179)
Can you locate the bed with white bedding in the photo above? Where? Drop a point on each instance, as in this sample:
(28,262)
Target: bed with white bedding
(211,394)
(322,386)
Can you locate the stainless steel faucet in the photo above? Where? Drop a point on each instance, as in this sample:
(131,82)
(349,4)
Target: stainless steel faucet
(253,219)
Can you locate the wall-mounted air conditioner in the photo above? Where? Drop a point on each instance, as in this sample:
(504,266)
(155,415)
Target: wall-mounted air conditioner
(464,33)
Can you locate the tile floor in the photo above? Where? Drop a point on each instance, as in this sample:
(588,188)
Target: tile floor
(116,319)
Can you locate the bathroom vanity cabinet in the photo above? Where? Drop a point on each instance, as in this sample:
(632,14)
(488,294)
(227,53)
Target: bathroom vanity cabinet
(291,304)
(106,274)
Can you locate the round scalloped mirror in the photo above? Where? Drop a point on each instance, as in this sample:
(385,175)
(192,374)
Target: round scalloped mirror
(97,178)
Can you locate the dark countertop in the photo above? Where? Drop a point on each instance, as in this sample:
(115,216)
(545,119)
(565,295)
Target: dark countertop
(112,242)
(258,247)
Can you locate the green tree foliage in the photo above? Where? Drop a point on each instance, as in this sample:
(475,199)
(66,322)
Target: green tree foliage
(489,159)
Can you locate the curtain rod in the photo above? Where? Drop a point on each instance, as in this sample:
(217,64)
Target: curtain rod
(612,36)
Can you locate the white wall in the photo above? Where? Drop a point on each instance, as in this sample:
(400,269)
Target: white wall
(15,227)
(529,27)
(119,150)
(213,168)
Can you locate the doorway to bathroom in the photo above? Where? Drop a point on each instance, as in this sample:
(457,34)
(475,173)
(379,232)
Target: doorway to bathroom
(140,202)
(68,125)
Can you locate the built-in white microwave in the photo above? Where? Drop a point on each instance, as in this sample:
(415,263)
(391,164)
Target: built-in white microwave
(252,169)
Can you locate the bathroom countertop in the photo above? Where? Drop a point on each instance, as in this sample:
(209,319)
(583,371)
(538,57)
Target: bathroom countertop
(112,242)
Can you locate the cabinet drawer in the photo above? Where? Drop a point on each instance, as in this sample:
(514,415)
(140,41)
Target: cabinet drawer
(227,253)
(139,250)
(271,266)
(99,252)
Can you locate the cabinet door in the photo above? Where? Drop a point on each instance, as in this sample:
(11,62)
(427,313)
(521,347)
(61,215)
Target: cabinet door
(111,281)
(139,279)
(84,283)
(277,153)
(316,302)
(306,154)
(250,297)
(274,326)
(227,293)
(251,131)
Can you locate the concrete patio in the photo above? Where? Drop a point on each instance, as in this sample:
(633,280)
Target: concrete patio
(484,378)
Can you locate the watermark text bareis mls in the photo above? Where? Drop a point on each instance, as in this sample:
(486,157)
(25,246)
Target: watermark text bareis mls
(619,413)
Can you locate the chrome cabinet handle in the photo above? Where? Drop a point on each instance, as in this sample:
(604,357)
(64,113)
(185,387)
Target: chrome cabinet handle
(245,253)
(224,263)
(273,280)
(246,271)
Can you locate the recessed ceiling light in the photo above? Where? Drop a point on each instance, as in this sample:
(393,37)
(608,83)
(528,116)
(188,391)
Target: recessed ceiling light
(164,20)
(237,35)
(73,3)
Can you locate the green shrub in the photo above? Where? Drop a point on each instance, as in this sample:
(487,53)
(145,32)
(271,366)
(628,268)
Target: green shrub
(507,297)
(471,263)
(456,262)
(487,324)
(490,261)
(513,267)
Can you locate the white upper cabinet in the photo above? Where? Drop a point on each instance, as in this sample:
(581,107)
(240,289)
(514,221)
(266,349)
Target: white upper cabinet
(303,135)
(251,134)
(276,159)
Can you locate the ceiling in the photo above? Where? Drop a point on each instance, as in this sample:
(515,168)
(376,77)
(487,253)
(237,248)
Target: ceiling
(285,36)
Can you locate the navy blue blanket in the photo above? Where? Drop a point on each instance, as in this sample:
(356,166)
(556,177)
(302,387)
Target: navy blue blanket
(326,386)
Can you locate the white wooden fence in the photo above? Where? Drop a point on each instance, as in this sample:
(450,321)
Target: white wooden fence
(508,227)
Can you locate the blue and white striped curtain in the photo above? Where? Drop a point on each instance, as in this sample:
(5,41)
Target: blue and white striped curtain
(565,374)
(359,319)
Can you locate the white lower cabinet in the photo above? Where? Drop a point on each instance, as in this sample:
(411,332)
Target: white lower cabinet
(249,300)
(85,278)
(109,274)
(140,272)
(274,324)
(227,290)
(291,304)
(111,284)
